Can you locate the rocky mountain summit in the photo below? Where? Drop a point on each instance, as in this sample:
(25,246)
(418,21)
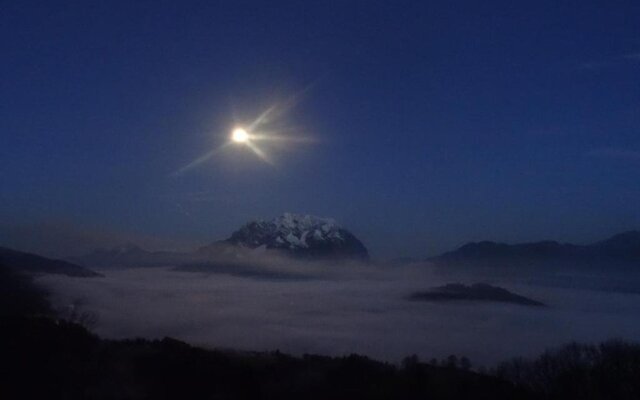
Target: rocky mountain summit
(299,235)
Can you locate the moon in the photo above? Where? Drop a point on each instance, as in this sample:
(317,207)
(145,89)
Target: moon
(239,135)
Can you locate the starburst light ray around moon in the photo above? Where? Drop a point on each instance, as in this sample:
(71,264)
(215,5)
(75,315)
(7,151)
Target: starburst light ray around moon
(258,134)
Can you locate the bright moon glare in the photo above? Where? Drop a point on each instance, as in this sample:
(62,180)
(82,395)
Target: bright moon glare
(239,135)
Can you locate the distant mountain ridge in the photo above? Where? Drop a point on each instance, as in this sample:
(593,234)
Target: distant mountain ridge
(299,235)
(35,264)
(621,250)
(130,256)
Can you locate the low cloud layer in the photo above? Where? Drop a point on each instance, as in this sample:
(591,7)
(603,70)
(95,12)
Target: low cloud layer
(345,309)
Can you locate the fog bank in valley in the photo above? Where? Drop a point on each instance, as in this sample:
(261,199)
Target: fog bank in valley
(301,307)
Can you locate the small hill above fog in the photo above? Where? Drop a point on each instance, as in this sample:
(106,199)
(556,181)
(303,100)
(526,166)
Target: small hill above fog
(299,235)
(34,264)
(620,251)
(475,292)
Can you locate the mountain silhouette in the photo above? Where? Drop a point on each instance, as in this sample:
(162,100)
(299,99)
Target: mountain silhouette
(621,251)
(34,264)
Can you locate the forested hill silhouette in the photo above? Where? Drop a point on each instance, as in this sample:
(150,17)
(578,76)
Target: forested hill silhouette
(68,362)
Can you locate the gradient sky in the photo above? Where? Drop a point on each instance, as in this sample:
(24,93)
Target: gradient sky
(436,122)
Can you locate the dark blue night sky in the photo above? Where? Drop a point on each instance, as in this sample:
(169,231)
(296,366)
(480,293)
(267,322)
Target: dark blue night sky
(436,123)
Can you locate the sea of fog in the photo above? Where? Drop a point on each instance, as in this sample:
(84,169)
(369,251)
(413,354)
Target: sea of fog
(338,310)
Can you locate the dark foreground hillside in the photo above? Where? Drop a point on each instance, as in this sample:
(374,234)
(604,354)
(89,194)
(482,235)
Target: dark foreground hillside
(19,296)
(44,358)
(609,370)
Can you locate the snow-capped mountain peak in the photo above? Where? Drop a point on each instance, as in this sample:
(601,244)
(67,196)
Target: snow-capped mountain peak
(302,235)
